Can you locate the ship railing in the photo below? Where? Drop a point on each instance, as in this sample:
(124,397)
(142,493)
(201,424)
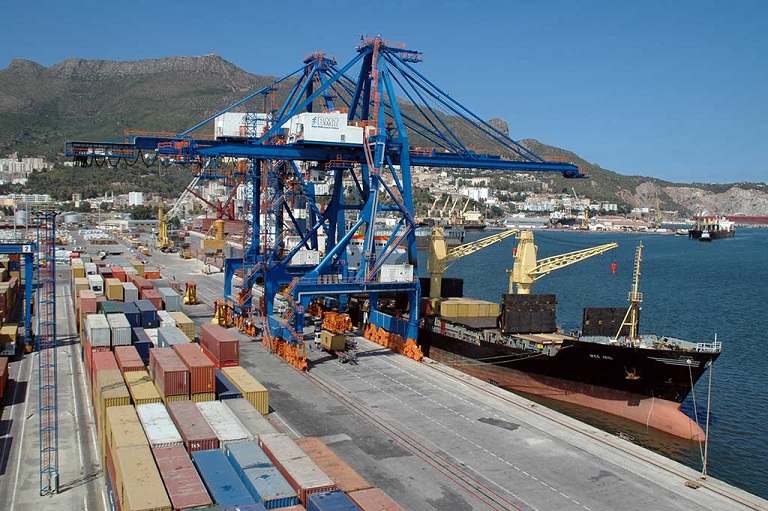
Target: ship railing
(709,347)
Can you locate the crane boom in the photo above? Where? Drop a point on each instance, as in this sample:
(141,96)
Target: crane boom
(527,269)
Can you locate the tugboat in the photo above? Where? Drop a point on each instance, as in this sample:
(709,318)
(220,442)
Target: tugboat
(715,228)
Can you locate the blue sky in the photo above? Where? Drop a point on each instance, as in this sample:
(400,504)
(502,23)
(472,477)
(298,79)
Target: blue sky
(676,90)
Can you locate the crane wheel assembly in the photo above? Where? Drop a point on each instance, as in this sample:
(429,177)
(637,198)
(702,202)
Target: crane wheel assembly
(294,354)
(394,341)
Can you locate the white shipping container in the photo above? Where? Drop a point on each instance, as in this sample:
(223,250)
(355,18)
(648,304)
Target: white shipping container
(306,473)
(322,127)
(90,269)
(253,421)
(96,283)
(223,422)
(396,273)
(153,335)
(121,329)
(166,320)
(97,330)
(281,446)
(158,425)
(130,292)
(233,124)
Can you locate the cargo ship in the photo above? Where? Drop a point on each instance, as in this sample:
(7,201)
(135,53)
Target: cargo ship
(607,365)
(711,228)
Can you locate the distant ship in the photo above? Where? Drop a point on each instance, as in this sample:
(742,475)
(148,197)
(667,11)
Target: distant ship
(708,228)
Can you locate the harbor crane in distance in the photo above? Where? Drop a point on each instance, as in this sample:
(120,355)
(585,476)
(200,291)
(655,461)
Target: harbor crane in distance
(345,124)
(527,269)
(440,255)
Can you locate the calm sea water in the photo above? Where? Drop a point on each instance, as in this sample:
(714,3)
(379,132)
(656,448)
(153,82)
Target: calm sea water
(691,290)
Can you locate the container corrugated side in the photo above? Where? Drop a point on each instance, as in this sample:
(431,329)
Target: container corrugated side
(203,397)
(195,430)
(157,424)
(109,390)
(170,336)
(128,359)
(306,477)
(182,482)
(171,299)
(221,479)
(183,323)
(223,422)
(131,314)
(225,389)
(344,476)
(253,391)
(123,428)
(270,486)
(201,370)
(121,329)
(280,447)
(374,499)
(139,485)
(130,292)
(148,313)
(169,372)
(222,345)
(330,501)
(253,421)
(141,388)
(97,330)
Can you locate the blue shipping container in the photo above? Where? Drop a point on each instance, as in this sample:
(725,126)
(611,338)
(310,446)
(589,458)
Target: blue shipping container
(245,455)
(139,335)
(220,479)
(269,486)
(330,501)
(225,389)
(252,507)
(131,313)
(148,314)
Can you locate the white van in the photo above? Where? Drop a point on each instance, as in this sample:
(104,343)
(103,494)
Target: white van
(96,283)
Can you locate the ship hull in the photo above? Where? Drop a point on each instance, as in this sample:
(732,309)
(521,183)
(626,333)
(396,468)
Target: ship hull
(695,234)
(642,385)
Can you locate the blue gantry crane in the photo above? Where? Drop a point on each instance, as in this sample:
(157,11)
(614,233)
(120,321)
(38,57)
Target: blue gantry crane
(360,127)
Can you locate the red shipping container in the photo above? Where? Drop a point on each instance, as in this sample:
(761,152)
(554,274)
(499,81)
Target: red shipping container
(169,372)
(128,359)
(87,302)
(118,273)
(373,499)
(141,283)
(153,296)
(3,376)
(194,429)
(222,345)
(202,372)
(102,361)
(182,482)
(112,474)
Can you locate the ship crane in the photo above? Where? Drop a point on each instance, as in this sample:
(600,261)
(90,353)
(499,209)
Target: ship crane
(635,297)
(164,243)
(527,269)
(440,255)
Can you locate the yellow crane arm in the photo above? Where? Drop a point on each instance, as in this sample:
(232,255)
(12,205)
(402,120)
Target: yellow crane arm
(473,246)
(549,264)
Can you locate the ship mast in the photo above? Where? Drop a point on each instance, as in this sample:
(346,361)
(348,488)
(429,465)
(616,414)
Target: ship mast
(632,317)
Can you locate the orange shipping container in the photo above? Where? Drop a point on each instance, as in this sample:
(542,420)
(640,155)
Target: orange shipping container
(202,372)
(128,359)
(374,499)
(340,473)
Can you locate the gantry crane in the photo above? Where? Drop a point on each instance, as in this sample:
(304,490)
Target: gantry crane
(440,255)
(345,122)
(527,269)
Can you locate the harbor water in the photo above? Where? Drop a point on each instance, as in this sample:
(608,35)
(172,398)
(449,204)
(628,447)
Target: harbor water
(691,290)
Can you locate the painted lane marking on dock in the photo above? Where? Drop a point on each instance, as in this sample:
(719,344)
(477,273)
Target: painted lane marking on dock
(23,428)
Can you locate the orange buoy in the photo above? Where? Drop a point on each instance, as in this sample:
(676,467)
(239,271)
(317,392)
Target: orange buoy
(613,268)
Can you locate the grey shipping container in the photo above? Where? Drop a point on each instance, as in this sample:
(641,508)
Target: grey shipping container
(130,292)
(121,329)
(169,336)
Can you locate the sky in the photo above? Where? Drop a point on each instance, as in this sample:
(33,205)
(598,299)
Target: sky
(675,90)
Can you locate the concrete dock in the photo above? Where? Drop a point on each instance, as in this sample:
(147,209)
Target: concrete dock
(433,438)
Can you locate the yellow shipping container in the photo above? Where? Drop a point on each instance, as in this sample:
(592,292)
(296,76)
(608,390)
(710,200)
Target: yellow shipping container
(205,396)
(139,485)
(110,390)
(78,272)
(173,399)
(122,429)
(8,333)
(253,391)
(114,289)
(139,266)
(16,274)
(468,308)
(332,342)
(78,285)
(5,261)
(184,324)
(141,388)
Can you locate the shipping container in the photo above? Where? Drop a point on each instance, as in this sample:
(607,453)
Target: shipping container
(268,485)
(128,359)
(194,429)
(373,499)
(225,389)
(131,314)
(170,336)
(107,307)
(152,334)
(123,428)
(202,397)
(109,390)
(118,273)
(253,421)
(121,329)
(169,372)
(171,299)
(139,486)
(245,455)
(96,284)
(221,479)
(330,501)
(3,376)
(148,314)
(130,292)
(158,425)
(101,361)
(223,422)
(87,303)
(152,296)
(142,388)
(202,372)
(184,324)
(253,391)
(113,289)
(280,447)
(97,330)
(303,473)
(165,319)
(344,476)
(182,482)
(221,345)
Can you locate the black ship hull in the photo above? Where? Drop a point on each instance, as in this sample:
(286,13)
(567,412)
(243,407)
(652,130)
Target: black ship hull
(695,234)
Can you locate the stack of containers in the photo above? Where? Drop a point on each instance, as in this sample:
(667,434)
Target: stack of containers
(86,305)
(122,429)
(182,482)
(109,390)
(140,282)
(99,361)
(225,389)
(80,283)
(330,501)
(158,426)
(78,268)
(151,272)
(131,313)
(253,421)
(184,324)
(130,292)
(148,314)
(113,289)
(118,273)
(121,329)
(141,388)
(169,373)
(220,345)
(253,391)
(223,422)
(128,359)
(171,299)
(138,484)
(262,480)
(107,307)
(221,479)
(194,429)
(373,499)
(345,477)
(153,336)
(97,333)
(202,372)
(165,319)
(169,336)
(303,473)
(153,296)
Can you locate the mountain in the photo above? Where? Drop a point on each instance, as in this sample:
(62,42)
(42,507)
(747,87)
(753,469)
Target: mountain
(77,99)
